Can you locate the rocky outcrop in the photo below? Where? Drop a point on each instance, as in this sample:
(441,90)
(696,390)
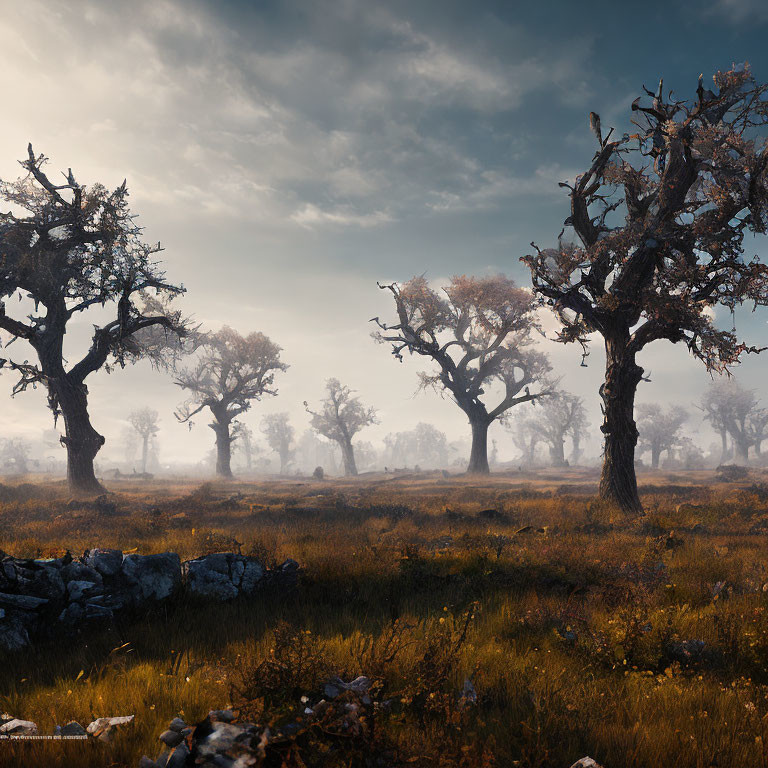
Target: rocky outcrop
(47,597)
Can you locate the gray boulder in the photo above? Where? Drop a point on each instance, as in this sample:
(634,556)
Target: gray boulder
(73,728)
(222,576)
(107,562)
(152,577)
(22,602)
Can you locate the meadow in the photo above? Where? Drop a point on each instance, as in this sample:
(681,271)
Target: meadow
(510,620)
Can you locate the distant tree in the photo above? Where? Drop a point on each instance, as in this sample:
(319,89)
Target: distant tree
(659,429)
(340,418)
(735,411)
(242,440)
(656,271)
(424,445)
(14,455)
(479,335)
(313,451)
(231,372)
(526,436)
(279,433)
(366,456)
(69,248)
(562,414)
(145,423)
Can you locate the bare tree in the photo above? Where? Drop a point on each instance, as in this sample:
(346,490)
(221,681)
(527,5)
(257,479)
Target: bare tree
(659,429)
(69,248)
(14,455)
(231,372)
(562,414)
(242,440)
(526,436)
(313,451)
(735,411)
(690,184)
(279,433)
(424,445)
(340,418)
(145,423)
(479,336)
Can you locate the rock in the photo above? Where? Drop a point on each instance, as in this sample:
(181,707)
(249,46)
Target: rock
(319,473)
(13,635)
(73,728)
(73,613)
(22,602)
(104,727)
(147,762)
(171,738)
(586,762)
(223,737)
(152,577)
(77,571)
(211,577)
(178,758)
(76,589)
(222,576)
(17,727)
(107,562)
(336,686)
(177,724)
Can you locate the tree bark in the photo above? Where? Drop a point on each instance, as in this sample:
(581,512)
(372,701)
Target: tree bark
(618,482)
(223,448)
(81,440)
(655,456)
(478,458)
(348,454)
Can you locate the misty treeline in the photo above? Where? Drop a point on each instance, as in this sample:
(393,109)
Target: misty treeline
(652,244)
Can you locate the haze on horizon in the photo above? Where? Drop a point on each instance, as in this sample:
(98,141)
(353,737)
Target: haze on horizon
(289,155)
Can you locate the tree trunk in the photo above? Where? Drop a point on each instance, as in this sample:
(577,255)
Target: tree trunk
(223,448)
(557,452)
(144,452)
(618,483)
(576,452)
(724,454)
(81,440)
(741,454)
(478,458)
(655,456)
(348,454)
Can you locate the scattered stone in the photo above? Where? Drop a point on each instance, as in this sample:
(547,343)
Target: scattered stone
(177,724)
(107,562)
(337,686)
(13,635)
(22,602)
(171,738)
(17,727)
(152,577)
(103,728)
(586,762)
(319,473)
(73,728)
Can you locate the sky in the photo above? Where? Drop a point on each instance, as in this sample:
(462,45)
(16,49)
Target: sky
(290,154)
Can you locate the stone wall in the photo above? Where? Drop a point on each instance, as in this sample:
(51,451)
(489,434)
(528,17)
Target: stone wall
(40,599)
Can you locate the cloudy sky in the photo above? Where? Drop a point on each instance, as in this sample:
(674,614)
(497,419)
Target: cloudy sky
(290,154)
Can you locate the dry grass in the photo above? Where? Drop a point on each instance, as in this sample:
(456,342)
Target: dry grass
(573,633)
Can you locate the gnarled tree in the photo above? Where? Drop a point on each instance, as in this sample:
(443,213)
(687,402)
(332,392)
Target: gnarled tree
(340,418)
(689,185)
(479,336)
(562,415)
(145,423)
(231,372)
(659,429)
(735,411)
(68,248)
(424,445)
(279,434)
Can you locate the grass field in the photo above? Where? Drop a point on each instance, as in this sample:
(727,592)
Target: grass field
(638,642)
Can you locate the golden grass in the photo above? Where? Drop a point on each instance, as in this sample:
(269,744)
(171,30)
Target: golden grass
(569,647)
